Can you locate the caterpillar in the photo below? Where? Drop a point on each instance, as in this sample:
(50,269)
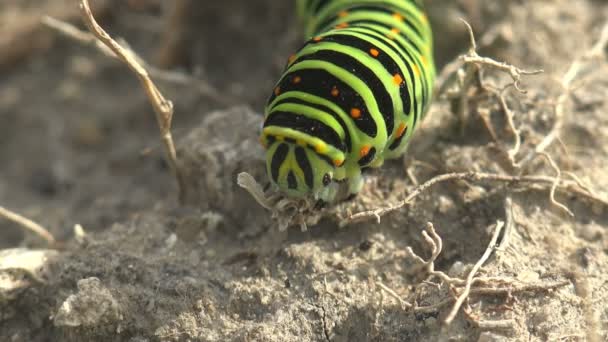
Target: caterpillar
(350,97)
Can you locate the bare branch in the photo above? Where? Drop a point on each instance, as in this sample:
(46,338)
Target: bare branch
(162,107)
(28,224)
(555,184)
(433,240)
(175,77)
(513,151)
(469,282)
(509,223)
(394,294)
(564,185)
(473,57)
(472,285)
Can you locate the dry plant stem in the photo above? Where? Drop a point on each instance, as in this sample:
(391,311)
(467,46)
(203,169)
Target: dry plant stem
(175,77)
(493,291)
(433,240)
(173,44)
(513,151)
(509,223)
(483,285)
(394,294)
(518,288)
(474,58)
(555,184)
(469,281)
(28,224)
(162,107)
(566,82)
(503,324)
(568,186)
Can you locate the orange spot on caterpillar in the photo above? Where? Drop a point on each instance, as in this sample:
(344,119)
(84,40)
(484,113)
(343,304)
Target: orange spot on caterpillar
(393,34)
(398,16)
(335,92)
(397,79)
(374,52)
(296,80)
(401,130)
(364,151)
(343,14)
(355,113)
(277,91)
(338,162)
(342,25)
(317,39)
(291,59)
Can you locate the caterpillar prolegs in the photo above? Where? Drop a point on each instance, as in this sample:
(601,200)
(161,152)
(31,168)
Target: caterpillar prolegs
(350,97)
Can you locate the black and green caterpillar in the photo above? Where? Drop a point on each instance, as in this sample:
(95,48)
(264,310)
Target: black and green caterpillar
(350,97)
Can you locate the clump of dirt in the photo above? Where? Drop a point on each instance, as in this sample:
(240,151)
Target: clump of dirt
(82,148)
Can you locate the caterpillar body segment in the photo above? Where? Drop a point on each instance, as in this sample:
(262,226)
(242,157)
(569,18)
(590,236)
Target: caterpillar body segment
(350,97)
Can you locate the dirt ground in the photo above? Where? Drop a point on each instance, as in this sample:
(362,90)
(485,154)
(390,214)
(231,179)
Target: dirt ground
(79,145)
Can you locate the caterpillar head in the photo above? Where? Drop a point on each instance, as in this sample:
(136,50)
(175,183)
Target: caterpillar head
(299,170)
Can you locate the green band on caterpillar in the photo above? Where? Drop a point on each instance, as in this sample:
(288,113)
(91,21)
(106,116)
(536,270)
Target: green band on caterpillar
(352,95)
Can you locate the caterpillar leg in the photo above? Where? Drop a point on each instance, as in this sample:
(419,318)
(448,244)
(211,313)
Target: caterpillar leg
(328,194)
(378,162)
(355,183)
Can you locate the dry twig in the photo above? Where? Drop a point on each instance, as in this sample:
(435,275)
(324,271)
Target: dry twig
(509,223)
(434,241)
(394,294)
(28,224)
(472,285)
(467,70)
(555,184)
(162,107)
(175,77)
(564,185)
(472,57)
(469,281)
(22,35)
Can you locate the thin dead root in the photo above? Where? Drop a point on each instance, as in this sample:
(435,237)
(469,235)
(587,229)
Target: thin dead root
(472,57)
(163,108)
(562,185)
(459,291)
(503,324)
(579,182)
(434,242)
(175,77)
(513,151)
(509,225)
(556,184)
(469,281)
(468,74)
(28,224)
(394,294)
